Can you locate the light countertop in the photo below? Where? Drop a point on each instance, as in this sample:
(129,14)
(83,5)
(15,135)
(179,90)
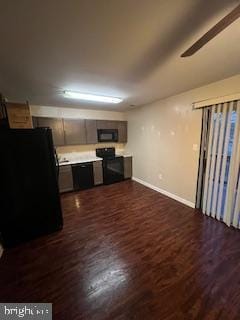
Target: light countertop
(82,157)
(79,160)
(77,157)
(124,155)
(121,152)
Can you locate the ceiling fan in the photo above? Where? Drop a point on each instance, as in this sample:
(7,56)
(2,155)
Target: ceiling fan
(213,32)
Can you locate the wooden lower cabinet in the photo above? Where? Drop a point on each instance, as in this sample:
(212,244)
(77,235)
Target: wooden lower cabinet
(65,180)
(97,172)
(127,167)
(66,174)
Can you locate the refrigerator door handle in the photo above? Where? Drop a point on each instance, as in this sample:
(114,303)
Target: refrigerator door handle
(57,162)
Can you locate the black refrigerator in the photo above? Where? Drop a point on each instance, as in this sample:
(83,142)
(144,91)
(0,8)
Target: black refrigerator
(29,196)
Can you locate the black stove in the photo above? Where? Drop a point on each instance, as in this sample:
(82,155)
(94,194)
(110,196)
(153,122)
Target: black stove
(106,153)
(113,168)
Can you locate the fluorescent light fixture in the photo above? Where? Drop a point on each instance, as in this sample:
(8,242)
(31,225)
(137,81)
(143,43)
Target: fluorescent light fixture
(90,97)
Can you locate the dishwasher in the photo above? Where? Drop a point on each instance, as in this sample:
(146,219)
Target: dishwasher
(82,176)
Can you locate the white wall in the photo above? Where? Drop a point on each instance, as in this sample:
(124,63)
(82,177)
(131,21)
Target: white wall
(163,136)
(47,111)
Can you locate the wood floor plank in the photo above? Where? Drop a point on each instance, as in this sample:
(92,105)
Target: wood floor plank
(127,252)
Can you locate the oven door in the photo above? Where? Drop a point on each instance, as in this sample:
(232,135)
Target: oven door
(113,170)
(107,135)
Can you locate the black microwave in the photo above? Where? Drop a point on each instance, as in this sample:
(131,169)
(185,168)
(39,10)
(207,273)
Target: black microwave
(107,135)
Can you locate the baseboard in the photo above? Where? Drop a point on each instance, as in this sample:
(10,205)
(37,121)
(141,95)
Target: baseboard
(166,193)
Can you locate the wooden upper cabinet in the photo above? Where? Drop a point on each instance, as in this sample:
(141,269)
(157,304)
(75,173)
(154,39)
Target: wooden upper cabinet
(122,131)
(35,122)
(79,131)
(56,124)
(112,124)
(91,131)
(101,124)
(107,124)
(19,115)
(75,131)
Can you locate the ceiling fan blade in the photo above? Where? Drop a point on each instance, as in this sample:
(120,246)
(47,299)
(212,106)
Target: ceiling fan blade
(220,26)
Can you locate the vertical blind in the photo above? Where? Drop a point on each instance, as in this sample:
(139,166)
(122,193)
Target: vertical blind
(220,163)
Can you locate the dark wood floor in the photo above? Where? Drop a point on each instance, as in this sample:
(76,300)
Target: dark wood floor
(127,252)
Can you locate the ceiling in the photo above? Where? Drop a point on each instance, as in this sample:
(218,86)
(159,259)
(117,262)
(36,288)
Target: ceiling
(123,48)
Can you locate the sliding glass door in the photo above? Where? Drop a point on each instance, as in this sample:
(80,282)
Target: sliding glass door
(218,193)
